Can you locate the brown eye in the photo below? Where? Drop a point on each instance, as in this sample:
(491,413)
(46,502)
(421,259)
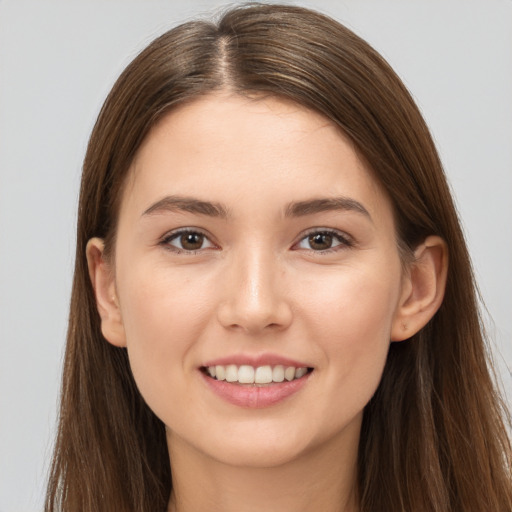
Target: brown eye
(188,241)
(324,241)
(191,241)
(320,241)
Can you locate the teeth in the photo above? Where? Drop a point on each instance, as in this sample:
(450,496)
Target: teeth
(220,372)
(231,373)
(263,375)
(278,373)
(300,372)
(246,374)
(289,373)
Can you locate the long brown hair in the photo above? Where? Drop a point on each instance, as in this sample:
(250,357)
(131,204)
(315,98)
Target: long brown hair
(433,436)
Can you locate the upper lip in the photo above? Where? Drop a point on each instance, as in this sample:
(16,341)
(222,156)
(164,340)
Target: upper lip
(256,361)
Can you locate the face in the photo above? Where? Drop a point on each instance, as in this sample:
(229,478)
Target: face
(254,245)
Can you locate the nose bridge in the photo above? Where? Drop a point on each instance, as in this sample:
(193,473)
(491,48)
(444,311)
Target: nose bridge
(254,298)
(257,273)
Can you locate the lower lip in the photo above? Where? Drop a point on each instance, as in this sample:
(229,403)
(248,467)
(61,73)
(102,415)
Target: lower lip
(255,397)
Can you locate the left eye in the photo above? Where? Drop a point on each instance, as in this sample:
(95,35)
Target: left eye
(188,241)
(322,241)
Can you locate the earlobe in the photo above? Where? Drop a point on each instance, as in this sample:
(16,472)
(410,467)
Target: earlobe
(422,290)
(103,283)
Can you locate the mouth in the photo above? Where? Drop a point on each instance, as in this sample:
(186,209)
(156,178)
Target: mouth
(256,381)
(256,376)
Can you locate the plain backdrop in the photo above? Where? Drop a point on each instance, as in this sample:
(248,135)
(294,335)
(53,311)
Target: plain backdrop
(58,59)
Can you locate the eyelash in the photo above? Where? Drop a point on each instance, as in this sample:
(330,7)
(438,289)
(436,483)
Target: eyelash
(166,241)
(344,240)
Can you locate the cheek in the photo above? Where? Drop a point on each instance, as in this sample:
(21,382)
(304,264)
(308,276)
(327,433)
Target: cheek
(162,305)
(353,303)
(163,317)
(350,317)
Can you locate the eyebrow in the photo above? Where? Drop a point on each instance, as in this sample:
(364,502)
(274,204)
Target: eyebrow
(312,206)
(187,204)
(294,209)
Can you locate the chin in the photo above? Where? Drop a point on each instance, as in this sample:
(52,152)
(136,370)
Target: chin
(258,455)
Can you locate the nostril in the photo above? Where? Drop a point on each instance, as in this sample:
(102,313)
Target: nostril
(252,300)
(252,319)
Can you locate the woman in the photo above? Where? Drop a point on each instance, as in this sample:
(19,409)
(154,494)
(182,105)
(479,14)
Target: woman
(273,305)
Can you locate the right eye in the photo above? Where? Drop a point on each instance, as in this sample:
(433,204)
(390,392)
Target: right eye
(187,241)
(324,241)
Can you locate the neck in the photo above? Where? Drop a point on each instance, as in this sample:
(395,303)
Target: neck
(323,479)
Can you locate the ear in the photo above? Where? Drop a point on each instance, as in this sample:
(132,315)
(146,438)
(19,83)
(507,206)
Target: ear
(422,289)
(103,282)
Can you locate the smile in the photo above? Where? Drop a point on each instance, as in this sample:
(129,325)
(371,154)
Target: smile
(260,375)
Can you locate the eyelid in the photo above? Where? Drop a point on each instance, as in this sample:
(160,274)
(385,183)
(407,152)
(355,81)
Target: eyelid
(175,233)
(346,241)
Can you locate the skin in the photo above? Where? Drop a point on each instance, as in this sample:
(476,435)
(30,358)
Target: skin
(258,285)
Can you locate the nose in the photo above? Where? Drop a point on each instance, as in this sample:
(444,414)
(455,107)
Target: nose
(254,299)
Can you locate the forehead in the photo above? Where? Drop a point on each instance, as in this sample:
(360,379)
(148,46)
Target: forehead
(239,150)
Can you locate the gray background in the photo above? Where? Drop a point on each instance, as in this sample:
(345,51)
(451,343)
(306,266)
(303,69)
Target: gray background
(57,63)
